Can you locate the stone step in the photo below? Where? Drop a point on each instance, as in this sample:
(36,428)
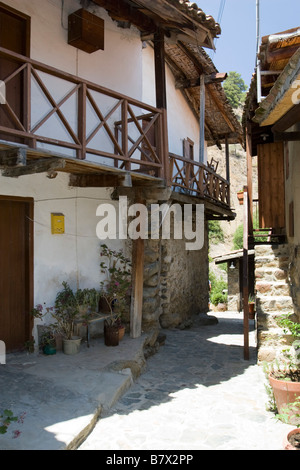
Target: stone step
(271,274)
(270,303)
(278,288)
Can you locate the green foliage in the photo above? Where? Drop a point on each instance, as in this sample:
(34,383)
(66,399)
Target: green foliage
(235,89)
(215,232)
(239,234)
(217,287)
(290,414)
(116,287)
(288,325)
(7,418)
(238,238)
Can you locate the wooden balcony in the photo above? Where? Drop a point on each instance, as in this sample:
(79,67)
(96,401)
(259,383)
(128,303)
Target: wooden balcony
(91,131)
(50,110)
(199,180)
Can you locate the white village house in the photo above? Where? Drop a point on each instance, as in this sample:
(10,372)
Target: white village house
(102,101)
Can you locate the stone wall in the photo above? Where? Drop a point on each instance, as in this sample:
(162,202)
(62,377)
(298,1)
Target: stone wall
(294,274)
(152,285)
(175,283)
(234,300)
(273,296)
(184,282)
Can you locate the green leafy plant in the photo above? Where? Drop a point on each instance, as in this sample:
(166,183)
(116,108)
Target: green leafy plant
(218,288)
(286,322)
(47,337)
(88,298)
(115,289)
(290,414)
(7,418)
(215,232)
(65,312)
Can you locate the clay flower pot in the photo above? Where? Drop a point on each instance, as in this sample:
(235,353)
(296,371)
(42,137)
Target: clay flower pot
(285,392)
(240,196)
(292,440)
(251,311)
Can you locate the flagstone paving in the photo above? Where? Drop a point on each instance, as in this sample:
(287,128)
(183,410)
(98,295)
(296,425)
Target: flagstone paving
(198,393)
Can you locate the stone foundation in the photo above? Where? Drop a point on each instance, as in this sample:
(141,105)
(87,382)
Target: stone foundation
(175,283)
(184,282)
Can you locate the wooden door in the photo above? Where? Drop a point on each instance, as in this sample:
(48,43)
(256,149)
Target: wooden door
(14,36)
(271,185)
(16,272)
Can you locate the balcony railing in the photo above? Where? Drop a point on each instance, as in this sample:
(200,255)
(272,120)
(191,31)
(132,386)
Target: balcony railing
(196,179)
(51,109)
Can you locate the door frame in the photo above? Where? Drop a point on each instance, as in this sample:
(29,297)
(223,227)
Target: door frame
(30,269)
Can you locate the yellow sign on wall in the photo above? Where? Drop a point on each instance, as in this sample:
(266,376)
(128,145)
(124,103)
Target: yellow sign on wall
(57,224)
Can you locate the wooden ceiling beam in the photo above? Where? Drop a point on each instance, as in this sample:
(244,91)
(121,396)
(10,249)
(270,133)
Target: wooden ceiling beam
(41,165)
(12,157)
(118,10)
(100,181)
(212,78)
(288,120)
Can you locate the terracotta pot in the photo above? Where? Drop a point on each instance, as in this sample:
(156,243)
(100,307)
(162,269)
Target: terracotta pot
(111,335)
(121,332)
(287,444)
(240,196)
(251,311)
(284,392)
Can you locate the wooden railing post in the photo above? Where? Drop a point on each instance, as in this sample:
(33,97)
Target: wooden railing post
(125,132)
(81,154)
(27,104)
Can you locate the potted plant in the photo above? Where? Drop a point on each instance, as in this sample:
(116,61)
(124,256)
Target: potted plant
(48,341)
(115,290)
(251,305)
(291,415)
(87,300)
(240,196)
(284,373)
(65,314)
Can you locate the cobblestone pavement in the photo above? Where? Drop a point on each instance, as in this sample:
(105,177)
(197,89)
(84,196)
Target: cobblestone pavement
(197,393)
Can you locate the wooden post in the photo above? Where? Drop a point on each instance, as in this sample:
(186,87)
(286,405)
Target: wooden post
(136,310)
(125,132)
(227,166)
(161,98)
(245,277)
(160,69)
(81,154)
(249,180)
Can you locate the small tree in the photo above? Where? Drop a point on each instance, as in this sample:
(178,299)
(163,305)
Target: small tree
(235,89)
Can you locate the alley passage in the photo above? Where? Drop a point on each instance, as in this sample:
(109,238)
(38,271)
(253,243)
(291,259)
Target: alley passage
(197,393)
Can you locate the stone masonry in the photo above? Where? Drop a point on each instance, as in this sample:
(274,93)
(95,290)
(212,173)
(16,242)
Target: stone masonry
(273,296)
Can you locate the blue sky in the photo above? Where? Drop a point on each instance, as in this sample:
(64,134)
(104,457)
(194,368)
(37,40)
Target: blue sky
(236,47)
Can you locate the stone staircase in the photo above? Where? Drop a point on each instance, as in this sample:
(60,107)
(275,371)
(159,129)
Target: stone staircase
(272,296)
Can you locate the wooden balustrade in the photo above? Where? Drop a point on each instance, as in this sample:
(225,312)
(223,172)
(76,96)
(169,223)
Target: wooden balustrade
(196,179)
(95,122)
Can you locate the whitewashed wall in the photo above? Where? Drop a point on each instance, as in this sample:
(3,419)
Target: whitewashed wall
(182,122)
(118,67)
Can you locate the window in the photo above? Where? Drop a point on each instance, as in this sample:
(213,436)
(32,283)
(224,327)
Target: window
(188,149)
